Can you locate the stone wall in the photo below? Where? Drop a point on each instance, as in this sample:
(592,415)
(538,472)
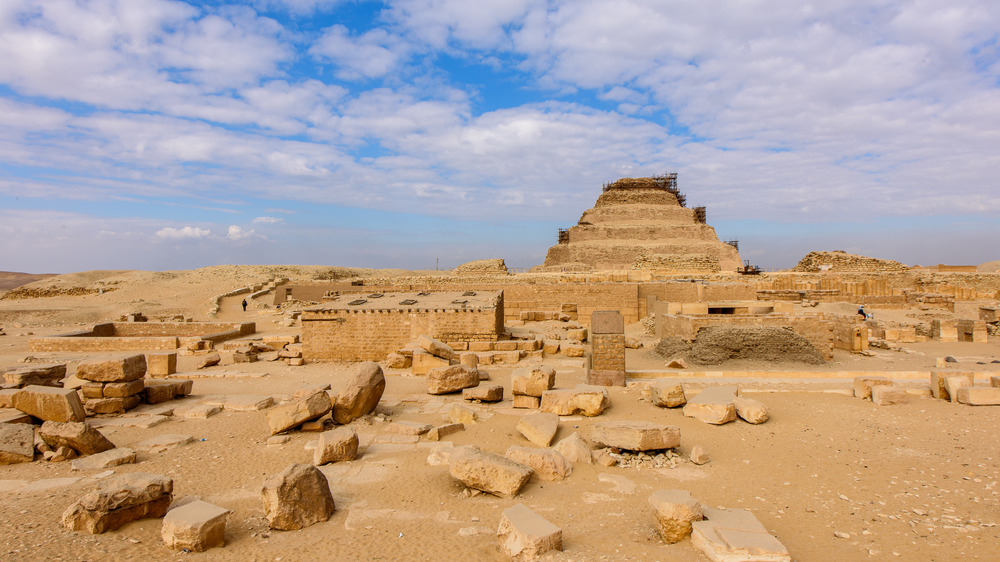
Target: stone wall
(842,261)
(817,328)
(685,263)
(102,343)
(138,336)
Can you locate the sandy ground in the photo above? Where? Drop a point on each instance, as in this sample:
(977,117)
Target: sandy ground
(910,482)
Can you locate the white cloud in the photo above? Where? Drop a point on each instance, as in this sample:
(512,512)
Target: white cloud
(237,233)
(268,220)
(372,54)
(169,233)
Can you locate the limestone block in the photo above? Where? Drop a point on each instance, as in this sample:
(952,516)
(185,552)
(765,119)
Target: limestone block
(462,414)
(505,346)
(667,394)
(398,361)
(436,433)
(979,395)
(453,378)
(436,348)
(297,497)
(525,402)
(469,359)
(76,435)
(675,510)
(698,455)
(525,535)
(118,369)
(156,392)
(161,364)
(210,360)
(548,464)
(199,412)
(123,389)
(107,459)
(17,443)
(196,526)
(92,390)
(286,416)
(111,405)
(607,322)
(487,472)
(730,535)
(954,383)
(408,428)
(336,445)
(539,428)
(678,363)
(586,399)
(484,393)
(939,388)
(480,346)
(888,396)
(50,404)
(579,334)
(532,382)
(120,500)
(50,374)
(164,442)
(750,410)
(995,381)
(248,403)
(570,350)
(713,405)
(7,397)
(575,449)
(305,391)
(361,394)
(635,435)
(863,386)
(550,347)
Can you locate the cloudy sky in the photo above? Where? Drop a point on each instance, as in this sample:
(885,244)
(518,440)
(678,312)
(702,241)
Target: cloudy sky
(157,134)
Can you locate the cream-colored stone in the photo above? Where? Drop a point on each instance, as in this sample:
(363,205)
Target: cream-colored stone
(453,378)
(667,394)
(50,404)
(750,410)
(635,435)
(589,400)
(120,500)
(287,416)
(575,449)
(539,428)
(548,464)
(196,526)
(487,472)
(76,435)
(361,394)
(336,445)
(525,535)
(297,497)
(674,510)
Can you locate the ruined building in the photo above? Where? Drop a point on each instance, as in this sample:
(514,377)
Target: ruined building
(642,223)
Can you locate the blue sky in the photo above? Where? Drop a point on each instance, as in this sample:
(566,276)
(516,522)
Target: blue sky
(156,134)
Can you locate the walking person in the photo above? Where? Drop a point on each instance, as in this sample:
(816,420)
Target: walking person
(244,305)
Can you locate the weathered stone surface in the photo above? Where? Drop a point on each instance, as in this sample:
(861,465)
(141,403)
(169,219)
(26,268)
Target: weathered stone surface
(589,400)
(667,394)
(107,459)
(120,500)
(713,405)
(462,414)
(113,369)
(550,347)
(423,362)
(436,433)
(50,404)
(199,412)
(297,497)
(539,428)
(161,364)
(675,510)
(111,405)
(955,383)
(939,388)
(210,360)
(453,378)
(484,393)
(76,435)
(532,382)
(287,416)
(436,348)
(165,442)
(361,394)
(698,455)
(678,363)
(525,535)
(995,381)
(336,445)
(571,350)
(7,397)
(487,472)
(159,391)
(50,374)
(575,449)
(248,403)
(863,386)
(889,396)
(305,391)
(17,443)
(731,535)
(196,526)
(469,359)
(398,361)
(548,464)
(979,395)
(750,410)
(525,402)
(408,428)
(123,389)
(635,435)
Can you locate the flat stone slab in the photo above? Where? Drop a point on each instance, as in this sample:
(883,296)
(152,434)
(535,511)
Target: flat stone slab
(487,472)
(199,412)
(163,443)
(635,435)
(107,459)
(48,484)
(979,395)
(539,428)
(218,375)
(248,403)
(735,535)
(525,535)
(408,428)
(142,422)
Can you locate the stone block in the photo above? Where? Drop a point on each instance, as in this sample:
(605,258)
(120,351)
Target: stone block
(607,322)
(117,369)
(548,464)
(585,399)
(635,435)
(50,374)
(979,395)
(462,414)
(424,362)
(398,361)
(287,416)
(7,397)
(111,405)
(505,346)
(675,511)
(605,377)
(735,535)
(487,472)
(750,410)
(76,435)
(713,405)
(550,347)
(667,394)
(525,402)
(436,348)
(698,455)
(110,458)
(437,433)
(939,387)
(196,526)
(572,350)
(123,389)
(995,381)
(453,378)
(525,535)
(17,443)
(532,382)
(539,428)
(336,445)
(297,497)
(954,383)
(161,364)
(863,386)
(888,396)
(361,394)
(199,412)
(575,449)
(484,393)
(248,403)
(92,390)
(120,500)
(50,404)
(469,359)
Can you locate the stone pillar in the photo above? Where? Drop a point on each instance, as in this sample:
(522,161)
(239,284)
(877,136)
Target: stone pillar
(607,335)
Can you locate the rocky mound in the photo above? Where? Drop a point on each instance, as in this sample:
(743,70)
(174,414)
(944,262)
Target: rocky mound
(479,267)
(989,267)
(716,345)
(671,347)
(839,260)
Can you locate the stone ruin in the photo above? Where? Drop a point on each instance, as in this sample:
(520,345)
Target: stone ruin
(841,261)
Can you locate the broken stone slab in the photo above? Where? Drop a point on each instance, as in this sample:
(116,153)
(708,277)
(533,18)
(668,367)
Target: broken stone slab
(398,361)
(76,435)
(210,360)
(453,378)
(750,410)
(979,395)
(142,422)
(408,428)
(548,464)
(50,374)
(107,459)
(575,449)
(462,414)
(955,383)
(361,394)
(423,362)
(539,428)
(677,364)
(436,348)
(120,500)
(162,443)
(889,396)
(586,399)
(297,497)
(113,369)
(939,388)
(17,443)
(436,433)
(122,389)
(674,510)
(336,445)
(863,386)
(248,403)
(713,405)
(111,405)
(196,526)
(50,404)
(487,472)
(698,455)
(635,435)
(484,393)
(731,535)
(305,391)
(525,535)
(287,416)
(60,454)
(532,382)
(10,415)
(521,401)
(667,394)
(198,412)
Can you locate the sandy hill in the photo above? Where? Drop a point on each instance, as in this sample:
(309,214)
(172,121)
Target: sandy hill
(13,279)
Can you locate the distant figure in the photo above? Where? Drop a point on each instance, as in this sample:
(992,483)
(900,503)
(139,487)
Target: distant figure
(861,312)
(245,305)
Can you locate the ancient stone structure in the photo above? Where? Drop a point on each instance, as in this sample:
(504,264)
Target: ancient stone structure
(839,260)
(607,332)
(641,223)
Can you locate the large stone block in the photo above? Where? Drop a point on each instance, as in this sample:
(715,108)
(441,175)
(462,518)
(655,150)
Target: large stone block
(713,405)
(484,393)
(118,369)
(586,399)
(120,500)
(196,526)
(979,395)
(939,386)
(436,348)
(161,364)
(955,383)
(17,443)
(548,464)
(287,416)
(297,497)
(525,535)
(635,435)
(667,394)
(453,378)
(123,389)
(336,445)
(487,472)
(888,396)
(532,382)
(607,322)
(111,405)
(50,404)
(539,428)
(730,535)
(41,375)
(361,394)
(674,510)
(76,435)
(863,386)
(750,410)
